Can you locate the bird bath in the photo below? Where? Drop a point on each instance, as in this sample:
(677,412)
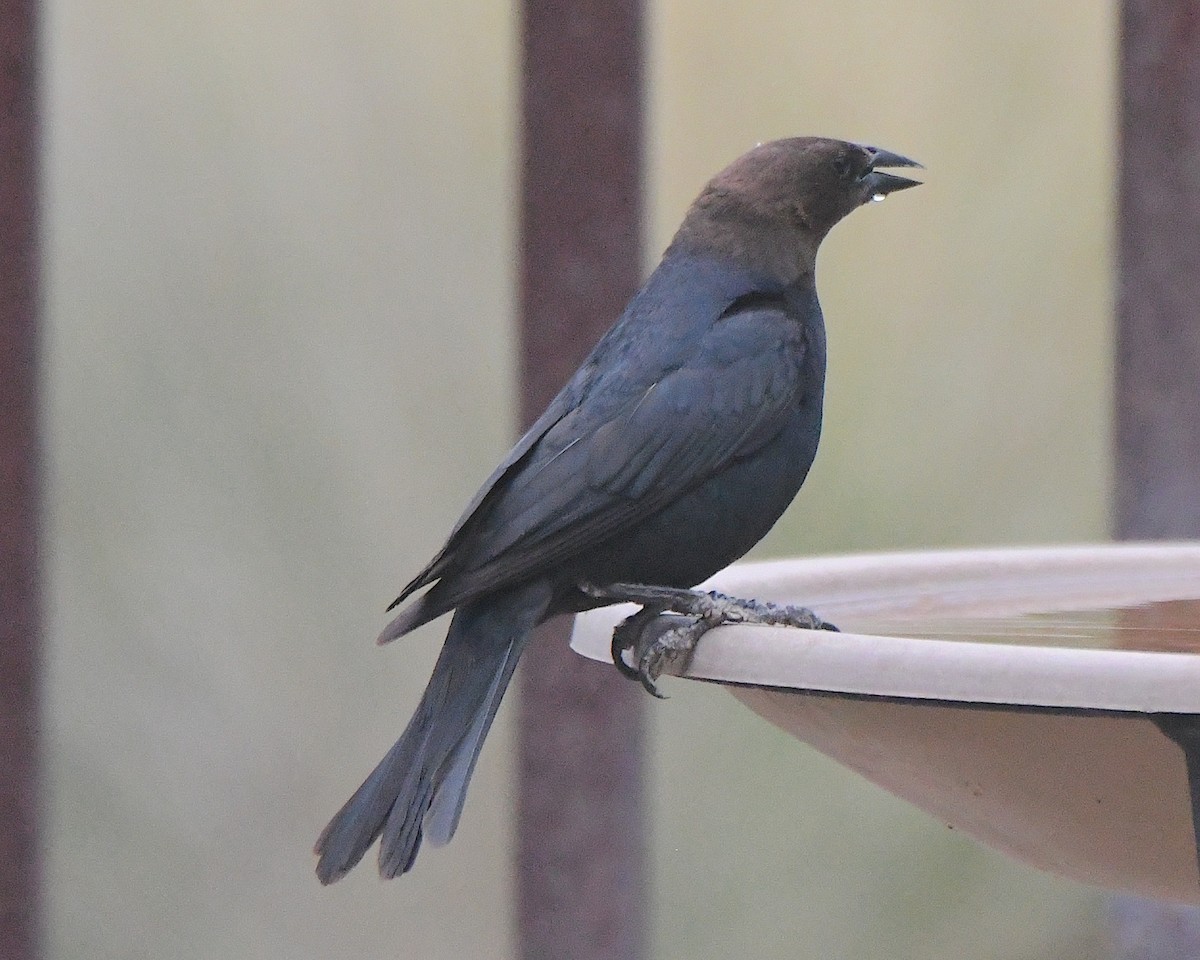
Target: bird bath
(1043,700)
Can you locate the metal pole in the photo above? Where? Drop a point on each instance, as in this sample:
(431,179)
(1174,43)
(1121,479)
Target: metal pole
(20,873)
(1157,472)
(580,835)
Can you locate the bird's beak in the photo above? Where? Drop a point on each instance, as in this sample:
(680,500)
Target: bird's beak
(880,184)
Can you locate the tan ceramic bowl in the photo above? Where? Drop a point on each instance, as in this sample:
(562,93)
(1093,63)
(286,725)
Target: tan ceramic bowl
(1008,692)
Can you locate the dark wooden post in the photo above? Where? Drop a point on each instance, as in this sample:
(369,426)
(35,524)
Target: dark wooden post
(1158,291)
(20,875)
(1158,337)
(580,837)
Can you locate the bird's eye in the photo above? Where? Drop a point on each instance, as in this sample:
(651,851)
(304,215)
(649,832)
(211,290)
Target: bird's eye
(843,166)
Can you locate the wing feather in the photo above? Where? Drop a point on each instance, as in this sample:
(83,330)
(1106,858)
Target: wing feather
(735,391)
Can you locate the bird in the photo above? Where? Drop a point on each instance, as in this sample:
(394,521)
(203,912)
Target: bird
(672,450)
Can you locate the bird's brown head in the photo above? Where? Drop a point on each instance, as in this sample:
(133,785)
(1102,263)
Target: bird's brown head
(771,208)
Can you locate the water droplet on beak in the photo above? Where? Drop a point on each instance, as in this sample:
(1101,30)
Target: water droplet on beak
(878,198)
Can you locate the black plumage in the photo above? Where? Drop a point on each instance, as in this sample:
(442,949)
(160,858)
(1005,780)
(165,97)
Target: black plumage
(670,453)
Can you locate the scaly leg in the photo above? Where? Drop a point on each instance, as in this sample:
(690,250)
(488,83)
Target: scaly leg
(656,640)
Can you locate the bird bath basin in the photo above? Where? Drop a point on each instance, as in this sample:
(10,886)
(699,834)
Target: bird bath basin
(1045,701)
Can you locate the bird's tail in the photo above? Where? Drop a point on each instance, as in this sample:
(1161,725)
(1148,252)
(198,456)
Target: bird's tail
(420,786)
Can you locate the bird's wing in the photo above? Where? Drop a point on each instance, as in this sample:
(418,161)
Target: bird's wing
(732,392)
(558,408)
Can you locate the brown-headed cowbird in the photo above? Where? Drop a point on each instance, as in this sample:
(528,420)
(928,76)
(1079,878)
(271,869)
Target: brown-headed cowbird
(670,453)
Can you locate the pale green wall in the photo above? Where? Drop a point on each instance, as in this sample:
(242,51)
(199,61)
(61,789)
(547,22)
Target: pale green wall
(279,285)
(280,361)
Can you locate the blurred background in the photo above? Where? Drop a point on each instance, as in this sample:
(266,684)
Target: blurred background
(280,342)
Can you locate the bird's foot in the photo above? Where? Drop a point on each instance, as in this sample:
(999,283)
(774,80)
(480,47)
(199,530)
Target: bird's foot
(672,621)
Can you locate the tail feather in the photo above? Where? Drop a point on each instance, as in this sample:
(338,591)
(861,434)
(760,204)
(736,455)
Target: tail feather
(447,804)
(421,784)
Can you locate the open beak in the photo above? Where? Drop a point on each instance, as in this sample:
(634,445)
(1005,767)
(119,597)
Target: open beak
(880,184)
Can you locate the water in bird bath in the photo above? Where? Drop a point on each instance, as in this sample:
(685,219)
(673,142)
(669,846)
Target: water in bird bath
(1170,626)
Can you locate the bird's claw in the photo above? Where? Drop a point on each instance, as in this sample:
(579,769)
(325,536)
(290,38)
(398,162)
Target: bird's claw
(626,638)
(672,621)
(650,641)
(673,645)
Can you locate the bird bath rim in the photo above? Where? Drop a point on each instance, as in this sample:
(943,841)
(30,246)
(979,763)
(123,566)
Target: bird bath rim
(928,585)
(1081,762)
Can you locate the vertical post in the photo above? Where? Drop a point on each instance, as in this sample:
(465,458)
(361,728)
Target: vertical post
(1157,476)
(19,607)
(1158,279)
(580,842)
